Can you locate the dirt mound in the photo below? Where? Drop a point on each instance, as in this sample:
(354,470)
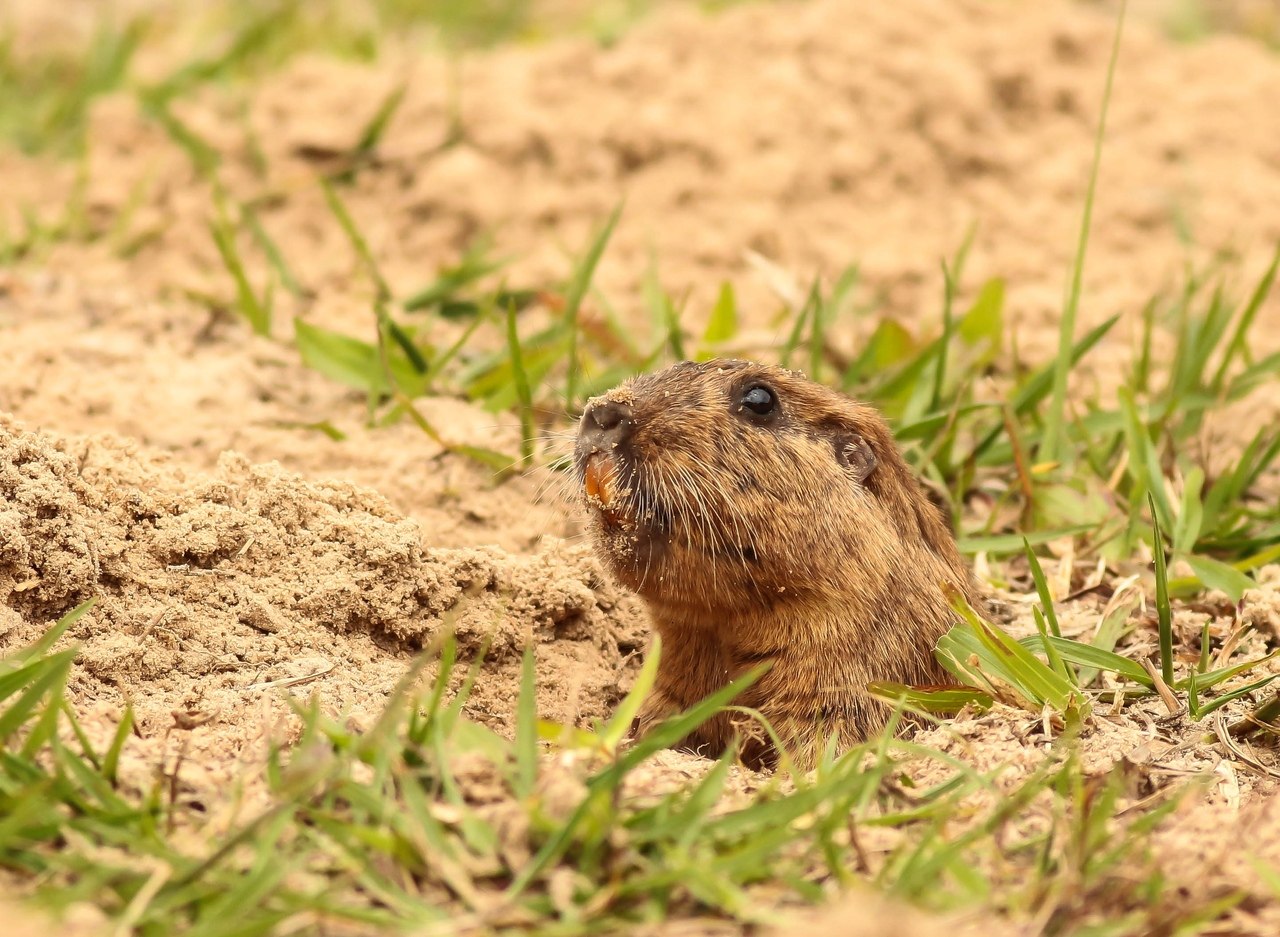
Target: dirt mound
(213,588)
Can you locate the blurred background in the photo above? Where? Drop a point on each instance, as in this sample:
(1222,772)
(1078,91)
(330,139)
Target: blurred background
(55,56)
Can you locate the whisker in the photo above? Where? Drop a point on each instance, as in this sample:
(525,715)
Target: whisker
(740,521)
(708,524)
(562,484)
(638,501)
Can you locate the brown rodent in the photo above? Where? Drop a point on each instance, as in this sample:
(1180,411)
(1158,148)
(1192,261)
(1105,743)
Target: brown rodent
(764,517)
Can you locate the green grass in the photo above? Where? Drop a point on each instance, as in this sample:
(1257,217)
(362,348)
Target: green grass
(1052,446)
(1047,672)
(45,95)
(46,89)
(377,829)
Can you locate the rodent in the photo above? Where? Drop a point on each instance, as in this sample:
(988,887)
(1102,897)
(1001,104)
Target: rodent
(764,517)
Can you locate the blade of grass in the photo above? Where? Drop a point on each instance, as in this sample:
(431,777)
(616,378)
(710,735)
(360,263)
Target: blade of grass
(272,251)
(1109,631)
(46,641)
(1053,446)
(723,324)
(473,266)
(817,334)
(526,728)
(948,326)
(40,678)
(1015,543)
(1097,658)
(619,723)
(254,310)
(111,760)
(528,426)
(1164,613)
(948,700)
(1218,702)
(579,283)
(1144,461)
(1039,385)
(1238,342)
(1042,588)
(373,130)
(1216,574)
(349,228)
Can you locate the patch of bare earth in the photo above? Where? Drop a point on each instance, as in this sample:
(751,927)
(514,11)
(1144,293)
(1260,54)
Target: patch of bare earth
(216,589)
(145,463)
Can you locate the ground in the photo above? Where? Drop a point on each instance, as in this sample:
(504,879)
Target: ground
(160,457)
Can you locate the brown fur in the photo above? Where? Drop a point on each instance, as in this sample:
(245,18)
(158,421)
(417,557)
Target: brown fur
(750,540)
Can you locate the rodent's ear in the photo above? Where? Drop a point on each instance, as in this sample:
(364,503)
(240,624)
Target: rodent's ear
(855,454)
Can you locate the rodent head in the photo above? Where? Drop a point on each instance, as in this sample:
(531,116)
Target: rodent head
(717,485)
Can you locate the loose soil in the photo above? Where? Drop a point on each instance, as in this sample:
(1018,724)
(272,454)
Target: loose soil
(147,458)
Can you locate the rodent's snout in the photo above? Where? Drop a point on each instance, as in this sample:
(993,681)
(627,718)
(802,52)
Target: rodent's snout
(605,424)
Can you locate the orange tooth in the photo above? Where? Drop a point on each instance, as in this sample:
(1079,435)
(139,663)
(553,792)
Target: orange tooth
(599,479)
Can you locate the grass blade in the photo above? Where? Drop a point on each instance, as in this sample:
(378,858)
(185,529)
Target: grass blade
(377,125)
(942,701)
(579,283)
(42,678)
(47,640)
(619,723)
(1039,385)
(268,246)
(255,311)
(1238,341)
(1053,446)
(361,246)
(1087,655)
(1163,612)
(528,426)
(723,324)
(1042,588)
(527,728)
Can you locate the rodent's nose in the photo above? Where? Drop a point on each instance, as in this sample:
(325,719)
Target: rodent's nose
(606,423)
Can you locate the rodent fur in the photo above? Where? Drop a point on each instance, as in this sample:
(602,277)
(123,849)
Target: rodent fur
(799,537)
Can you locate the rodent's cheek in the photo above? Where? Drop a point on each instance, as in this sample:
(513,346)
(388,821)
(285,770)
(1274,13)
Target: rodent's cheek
(785,469)
(796,509)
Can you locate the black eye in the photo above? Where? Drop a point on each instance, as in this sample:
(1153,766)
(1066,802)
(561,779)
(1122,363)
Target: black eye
(759,400)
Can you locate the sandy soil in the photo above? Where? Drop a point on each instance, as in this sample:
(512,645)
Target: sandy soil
(143,460)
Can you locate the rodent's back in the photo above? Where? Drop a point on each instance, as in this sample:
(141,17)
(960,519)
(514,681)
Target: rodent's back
(765,517)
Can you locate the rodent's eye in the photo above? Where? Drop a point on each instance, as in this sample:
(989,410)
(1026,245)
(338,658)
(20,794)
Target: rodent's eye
(759,400)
